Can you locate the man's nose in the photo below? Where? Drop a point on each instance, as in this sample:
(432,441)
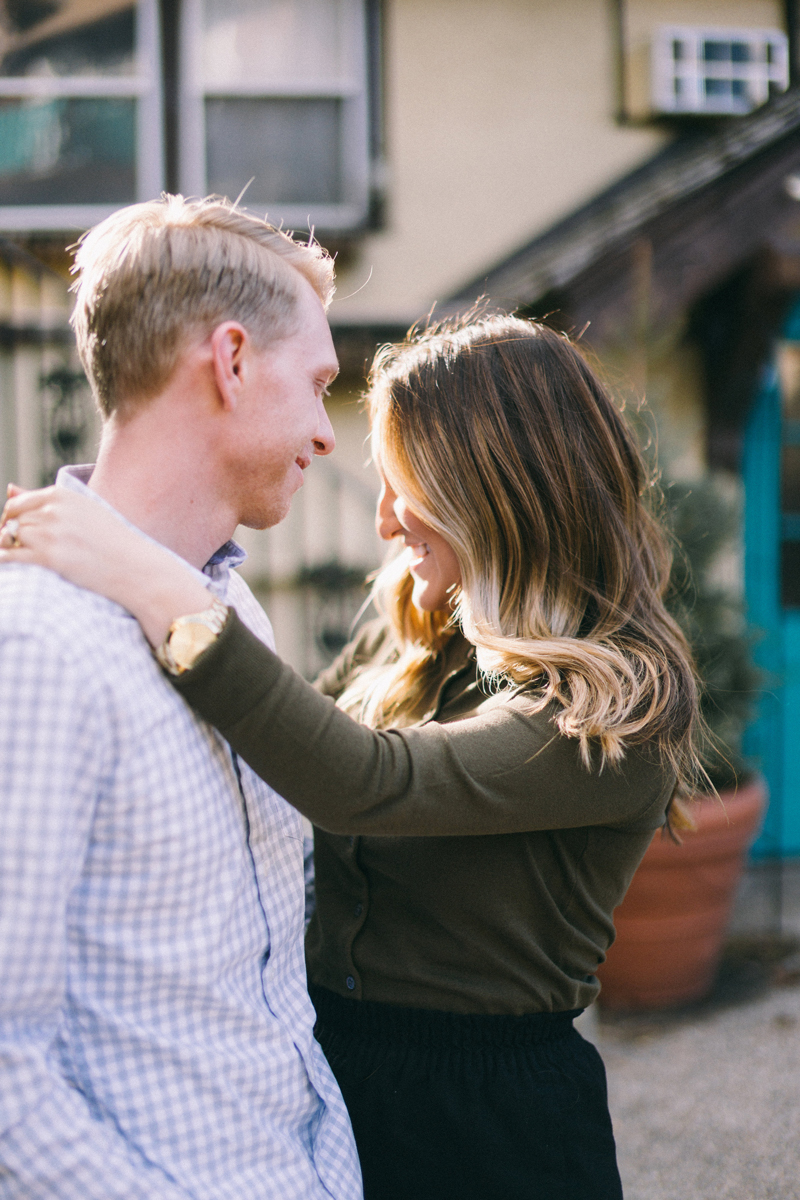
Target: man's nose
(324,439)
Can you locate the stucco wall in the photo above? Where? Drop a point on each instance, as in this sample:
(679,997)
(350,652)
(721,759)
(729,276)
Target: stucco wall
(500,120)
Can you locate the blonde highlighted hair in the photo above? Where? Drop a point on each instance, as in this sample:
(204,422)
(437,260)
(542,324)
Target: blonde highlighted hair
(153,276)
(503,440)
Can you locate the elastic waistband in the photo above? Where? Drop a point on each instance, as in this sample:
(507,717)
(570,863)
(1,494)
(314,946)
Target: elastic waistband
(425,1026)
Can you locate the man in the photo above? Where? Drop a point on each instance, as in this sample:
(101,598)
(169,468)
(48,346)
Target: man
(155,1031)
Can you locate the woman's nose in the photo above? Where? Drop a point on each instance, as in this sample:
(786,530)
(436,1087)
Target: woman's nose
(386,521)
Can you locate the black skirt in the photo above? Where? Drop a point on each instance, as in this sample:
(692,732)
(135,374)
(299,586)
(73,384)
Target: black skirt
(453,1107)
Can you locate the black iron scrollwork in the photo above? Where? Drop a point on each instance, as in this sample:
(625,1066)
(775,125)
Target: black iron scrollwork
(334,595)
(67,419)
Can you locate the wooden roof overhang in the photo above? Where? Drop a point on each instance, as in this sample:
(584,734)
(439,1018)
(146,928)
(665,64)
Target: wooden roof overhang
(704,204)
(706,235)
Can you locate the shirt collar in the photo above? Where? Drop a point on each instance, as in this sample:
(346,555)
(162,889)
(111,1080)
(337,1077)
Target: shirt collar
(218,567)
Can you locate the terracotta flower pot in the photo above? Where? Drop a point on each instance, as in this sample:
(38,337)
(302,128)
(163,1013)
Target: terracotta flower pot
(671,924)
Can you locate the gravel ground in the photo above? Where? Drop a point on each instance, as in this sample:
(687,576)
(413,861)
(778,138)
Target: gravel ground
(710,1110)
(706,1100)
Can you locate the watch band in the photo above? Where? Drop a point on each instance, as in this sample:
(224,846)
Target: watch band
(189,636)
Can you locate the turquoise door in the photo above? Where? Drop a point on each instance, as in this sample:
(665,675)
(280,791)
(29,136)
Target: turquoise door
(771,471)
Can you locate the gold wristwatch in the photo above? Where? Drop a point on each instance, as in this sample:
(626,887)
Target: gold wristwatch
(189,636)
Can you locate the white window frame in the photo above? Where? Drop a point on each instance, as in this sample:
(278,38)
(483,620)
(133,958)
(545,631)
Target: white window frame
(693,70)
(144,85)
(355,165)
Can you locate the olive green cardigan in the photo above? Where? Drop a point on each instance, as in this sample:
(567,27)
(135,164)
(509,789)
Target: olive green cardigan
(469,863)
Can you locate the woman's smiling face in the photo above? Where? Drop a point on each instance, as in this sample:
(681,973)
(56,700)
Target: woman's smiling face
(431,559)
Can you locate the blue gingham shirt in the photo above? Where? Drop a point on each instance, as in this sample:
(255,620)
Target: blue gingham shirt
(155,1030)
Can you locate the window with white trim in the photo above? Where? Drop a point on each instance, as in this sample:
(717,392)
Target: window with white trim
(274,101)
(80,110)
(717,70)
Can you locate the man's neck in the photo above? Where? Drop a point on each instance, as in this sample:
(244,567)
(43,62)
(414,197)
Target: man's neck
(156,470)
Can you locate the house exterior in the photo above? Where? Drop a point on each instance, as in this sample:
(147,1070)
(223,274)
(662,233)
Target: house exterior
(628,166)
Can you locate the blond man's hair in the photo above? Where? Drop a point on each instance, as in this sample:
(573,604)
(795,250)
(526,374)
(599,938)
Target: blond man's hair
(153,277)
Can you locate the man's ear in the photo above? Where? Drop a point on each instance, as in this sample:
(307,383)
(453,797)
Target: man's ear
(230,345)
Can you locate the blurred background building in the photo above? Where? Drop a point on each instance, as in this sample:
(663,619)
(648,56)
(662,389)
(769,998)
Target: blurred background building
(625,168)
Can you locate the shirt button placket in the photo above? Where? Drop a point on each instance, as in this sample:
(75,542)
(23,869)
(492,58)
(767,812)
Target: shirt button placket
(358,909)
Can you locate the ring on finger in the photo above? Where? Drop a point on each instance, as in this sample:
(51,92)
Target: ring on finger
(11,530)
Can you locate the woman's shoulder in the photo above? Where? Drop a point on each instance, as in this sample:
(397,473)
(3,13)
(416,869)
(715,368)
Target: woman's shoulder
(373,645)
(630,789)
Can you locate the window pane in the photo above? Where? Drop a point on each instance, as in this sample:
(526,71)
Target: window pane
(57,37)
(717,51)
(67,151)
(718,87)
(275,42)
(790,574)
(291,147)
(790,479)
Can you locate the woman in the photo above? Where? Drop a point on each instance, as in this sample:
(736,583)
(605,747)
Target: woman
(506,740)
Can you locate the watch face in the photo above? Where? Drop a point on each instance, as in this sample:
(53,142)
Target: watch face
(188,642)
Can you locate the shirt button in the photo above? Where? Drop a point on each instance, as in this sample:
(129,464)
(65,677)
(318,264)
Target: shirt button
(351,983)
(359,908)
(351,840)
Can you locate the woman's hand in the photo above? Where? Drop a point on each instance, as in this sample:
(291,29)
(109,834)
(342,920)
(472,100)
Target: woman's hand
(90,546)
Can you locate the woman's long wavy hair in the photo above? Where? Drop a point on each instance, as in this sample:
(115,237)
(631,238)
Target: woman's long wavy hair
(502,439)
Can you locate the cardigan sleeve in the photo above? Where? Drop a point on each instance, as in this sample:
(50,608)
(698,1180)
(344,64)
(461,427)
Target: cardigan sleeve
(505,770)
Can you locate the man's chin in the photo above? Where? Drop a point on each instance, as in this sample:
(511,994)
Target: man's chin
(267,518)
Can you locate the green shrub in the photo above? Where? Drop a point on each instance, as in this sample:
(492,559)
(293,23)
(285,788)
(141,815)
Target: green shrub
(705,520)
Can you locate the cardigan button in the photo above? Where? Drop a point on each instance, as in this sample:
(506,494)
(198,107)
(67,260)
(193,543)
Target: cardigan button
(351,983)
(358,910)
